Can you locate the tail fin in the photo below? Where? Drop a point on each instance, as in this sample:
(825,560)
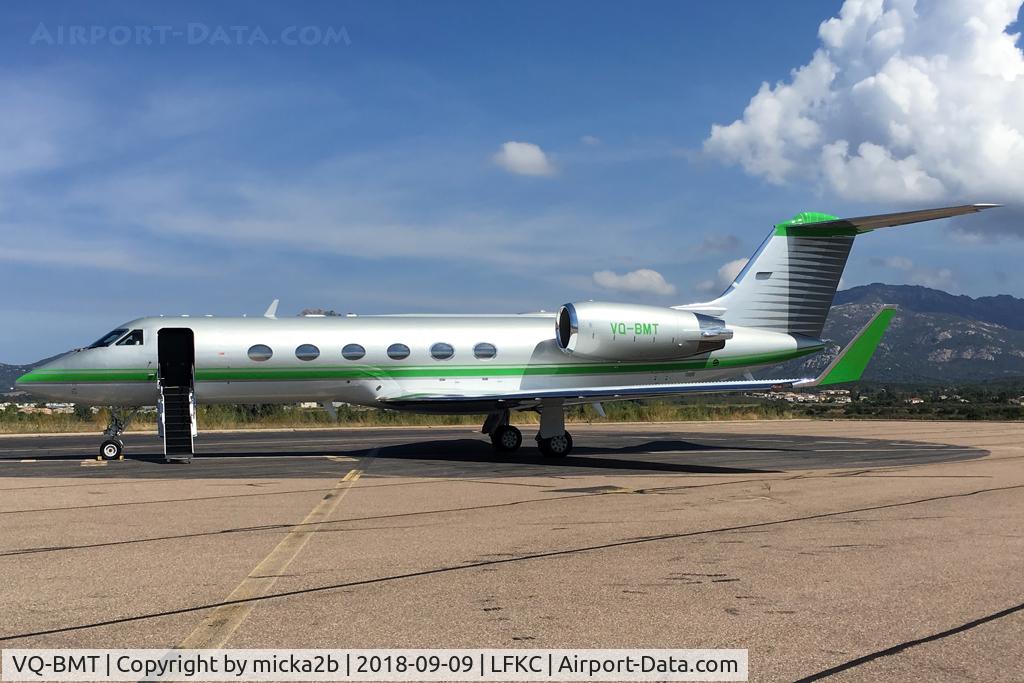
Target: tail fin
(790,281)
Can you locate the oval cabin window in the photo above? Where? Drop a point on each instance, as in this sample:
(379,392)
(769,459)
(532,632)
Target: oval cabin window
(484,351)
(260,352)
(398,351)
(442,351)
(307,352)
(353,352)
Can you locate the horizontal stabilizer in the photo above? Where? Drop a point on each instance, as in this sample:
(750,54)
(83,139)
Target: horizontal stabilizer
(861,224)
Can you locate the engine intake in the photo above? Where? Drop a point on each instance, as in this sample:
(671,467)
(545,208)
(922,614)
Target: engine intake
(628,332)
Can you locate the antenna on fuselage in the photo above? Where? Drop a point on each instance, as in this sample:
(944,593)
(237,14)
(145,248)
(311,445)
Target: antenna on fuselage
(272,309)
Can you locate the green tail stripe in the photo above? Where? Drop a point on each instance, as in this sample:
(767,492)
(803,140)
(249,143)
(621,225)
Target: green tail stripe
(852,363)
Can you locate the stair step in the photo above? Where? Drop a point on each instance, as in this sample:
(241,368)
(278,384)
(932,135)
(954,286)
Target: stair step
(177,420)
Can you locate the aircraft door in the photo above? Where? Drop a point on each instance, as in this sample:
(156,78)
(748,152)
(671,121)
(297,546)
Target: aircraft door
(176,407)
(176,355)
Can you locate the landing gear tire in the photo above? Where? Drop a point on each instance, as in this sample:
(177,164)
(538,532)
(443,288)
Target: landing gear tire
(557,446)
(507,438)
(111,449)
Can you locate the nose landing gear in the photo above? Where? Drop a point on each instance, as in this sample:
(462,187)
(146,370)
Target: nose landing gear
(112,447)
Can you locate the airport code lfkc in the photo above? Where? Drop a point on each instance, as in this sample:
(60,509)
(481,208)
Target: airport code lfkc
(374,665)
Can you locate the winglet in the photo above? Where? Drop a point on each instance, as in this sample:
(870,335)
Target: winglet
(849,365)
(272,309)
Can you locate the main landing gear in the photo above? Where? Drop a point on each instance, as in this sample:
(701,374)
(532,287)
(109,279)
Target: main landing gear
(552,439)
(112,447)
(507,438)
(557,446)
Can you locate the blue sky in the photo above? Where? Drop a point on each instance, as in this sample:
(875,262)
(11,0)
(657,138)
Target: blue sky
(214,172)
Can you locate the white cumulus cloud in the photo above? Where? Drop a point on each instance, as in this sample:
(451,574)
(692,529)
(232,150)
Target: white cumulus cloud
(723,278)
(903,101)
(524,158)
(642,280)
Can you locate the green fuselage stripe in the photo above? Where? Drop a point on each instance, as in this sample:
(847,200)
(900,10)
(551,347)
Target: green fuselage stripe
(83,376)
(75,376)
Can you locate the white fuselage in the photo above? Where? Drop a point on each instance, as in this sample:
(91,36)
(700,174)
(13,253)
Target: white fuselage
(527,357)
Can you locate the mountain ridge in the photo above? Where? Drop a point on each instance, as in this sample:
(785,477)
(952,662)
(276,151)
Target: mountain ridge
(1001,309)
(936,337)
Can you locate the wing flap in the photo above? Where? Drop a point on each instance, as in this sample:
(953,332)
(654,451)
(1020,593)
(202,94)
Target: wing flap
(589,395)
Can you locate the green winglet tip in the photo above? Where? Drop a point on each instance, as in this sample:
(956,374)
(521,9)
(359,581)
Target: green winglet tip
(851,364)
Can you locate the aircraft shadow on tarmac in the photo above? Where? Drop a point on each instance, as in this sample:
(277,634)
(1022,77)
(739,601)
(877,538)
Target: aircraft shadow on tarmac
(474,457)
(478,452)
(473,451)
(471,457)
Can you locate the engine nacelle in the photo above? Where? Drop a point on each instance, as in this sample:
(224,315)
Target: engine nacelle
(627,332)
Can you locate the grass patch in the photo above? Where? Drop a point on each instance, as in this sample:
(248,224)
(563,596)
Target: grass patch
(293,417)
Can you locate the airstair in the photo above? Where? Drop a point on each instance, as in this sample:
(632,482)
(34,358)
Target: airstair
(176,406)
(177,410)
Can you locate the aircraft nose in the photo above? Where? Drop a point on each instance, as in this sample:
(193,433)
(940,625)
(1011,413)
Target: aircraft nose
(24,381)
(44,381)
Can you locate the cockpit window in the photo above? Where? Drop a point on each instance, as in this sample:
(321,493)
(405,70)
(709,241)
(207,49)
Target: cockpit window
(133,338)
(108,339)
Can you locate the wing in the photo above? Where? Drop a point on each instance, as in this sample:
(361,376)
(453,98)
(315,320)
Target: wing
(848,366)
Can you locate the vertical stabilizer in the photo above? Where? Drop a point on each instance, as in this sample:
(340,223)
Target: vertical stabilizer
(790,281)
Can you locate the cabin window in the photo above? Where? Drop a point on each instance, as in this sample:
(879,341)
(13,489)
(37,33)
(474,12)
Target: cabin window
(260,352)
(133,338)
(353,352)
(442,351)
(108,339)
(398,351)
(485,351)
(307,352)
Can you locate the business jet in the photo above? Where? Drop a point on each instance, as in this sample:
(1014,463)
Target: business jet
(587,352)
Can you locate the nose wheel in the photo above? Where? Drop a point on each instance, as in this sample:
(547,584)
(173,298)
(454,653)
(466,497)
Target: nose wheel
(111,449)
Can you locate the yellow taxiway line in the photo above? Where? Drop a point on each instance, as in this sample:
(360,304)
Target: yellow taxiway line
(218,627)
